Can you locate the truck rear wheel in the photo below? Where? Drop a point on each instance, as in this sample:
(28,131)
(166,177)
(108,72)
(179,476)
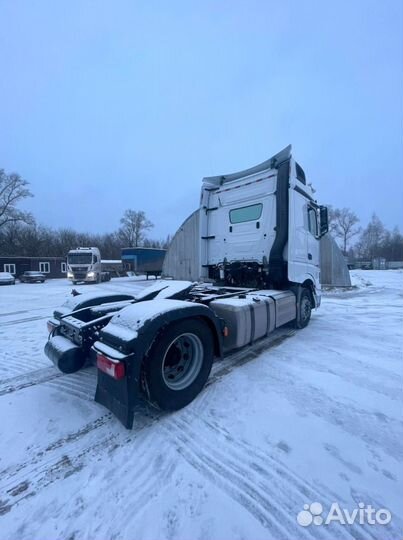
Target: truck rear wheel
(304,309)
(179,363)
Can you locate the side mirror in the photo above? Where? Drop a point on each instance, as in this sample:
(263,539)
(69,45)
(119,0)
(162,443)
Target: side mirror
(324,223)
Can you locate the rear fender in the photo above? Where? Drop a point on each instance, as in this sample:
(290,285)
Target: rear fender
(88,300)
(152,330)
(122,396)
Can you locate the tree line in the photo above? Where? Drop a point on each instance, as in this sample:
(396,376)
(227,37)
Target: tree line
(358,243)
(20,234)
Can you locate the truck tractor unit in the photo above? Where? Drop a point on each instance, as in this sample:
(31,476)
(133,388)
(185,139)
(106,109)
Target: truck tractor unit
(258,266)
(84,266)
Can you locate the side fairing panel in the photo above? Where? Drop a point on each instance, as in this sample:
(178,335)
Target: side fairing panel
(182,260)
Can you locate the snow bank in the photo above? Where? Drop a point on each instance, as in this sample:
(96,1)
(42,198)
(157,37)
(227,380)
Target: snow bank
(359,280)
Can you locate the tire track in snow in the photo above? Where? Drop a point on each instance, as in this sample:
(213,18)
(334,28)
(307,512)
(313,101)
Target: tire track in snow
(271,489)
(32,378)
(21,321)
(84,380)
(261,461)
(66,456)
(48,465)
(234,480)
(247,354)
(12,474)
(256,487)
(81,384)
(15,368)
(376,431)
(287,488)
(151,473)
(26,311)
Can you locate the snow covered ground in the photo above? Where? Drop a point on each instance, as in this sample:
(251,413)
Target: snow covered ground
(312,416)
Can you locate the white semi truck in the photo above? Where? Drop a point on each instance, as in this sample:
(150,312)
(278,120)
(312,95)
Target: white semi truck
(84,265)
(258,253)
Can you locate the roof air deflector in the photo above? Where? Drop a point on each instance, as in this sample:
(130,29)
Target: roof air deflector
(271,163)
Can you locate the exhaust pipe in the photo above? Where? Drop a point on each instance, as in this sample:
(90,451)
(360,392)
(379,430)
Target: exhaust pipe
(66,356)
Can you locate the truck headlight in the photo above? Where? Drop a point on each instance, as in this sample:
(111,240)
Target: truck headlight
(70,274)
(91,274)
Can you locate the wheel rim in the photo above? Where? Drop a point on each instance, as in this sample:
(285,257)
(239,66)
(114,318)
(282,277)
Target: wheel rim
(305,309)
(182,361)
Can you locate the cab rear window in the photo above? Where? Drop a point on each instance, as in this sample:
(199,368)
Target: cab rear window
(246,213)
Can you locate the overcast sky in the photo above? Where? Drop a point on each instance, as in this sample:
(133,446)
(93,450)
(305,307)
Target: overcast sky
(108,105)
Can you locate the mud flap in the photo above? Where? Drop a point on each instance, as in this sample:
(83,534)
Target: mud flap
(120,396)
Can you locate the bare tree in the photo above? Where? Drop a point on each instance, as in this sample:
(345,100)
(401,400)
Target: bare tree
(395,248)
(13,189)
(372,238)
(343,225)
(163,243)
(133,227)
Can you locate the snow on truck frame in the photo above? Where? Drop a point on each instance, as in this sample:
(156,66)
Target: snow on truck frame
(259,249)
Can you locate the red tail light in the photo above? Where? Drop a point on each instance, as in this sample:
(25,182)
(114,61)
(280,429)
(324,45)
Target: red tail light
(51,325)
(114,368)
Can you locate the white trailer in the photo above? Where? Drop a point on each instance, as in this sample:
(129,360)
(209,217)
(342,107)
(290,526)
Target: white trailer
(256,252)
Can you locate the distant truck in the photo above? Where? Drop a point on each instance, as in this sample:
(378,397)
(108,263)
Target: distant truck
(259,243)
(144,261)
(84,266)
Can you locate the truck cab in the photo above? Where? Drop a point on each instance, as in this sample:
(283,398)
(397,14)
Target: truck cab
(261,227)
(84,265)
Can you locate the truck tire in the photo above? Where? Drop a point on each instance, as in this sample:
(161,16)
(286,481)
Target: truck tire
(178,364)
(304,309)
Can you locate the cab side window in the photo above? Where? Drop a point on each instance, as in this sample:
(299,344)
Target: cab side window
(312,221)
(246,213)
(95,259)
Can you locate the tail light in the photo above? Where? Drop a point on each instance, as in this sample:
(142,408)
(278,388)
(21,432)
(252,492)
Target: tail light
(114,368)
(51,325)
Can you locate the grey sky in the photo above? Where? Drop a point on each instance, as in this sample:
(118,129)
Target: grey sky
(112,105)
